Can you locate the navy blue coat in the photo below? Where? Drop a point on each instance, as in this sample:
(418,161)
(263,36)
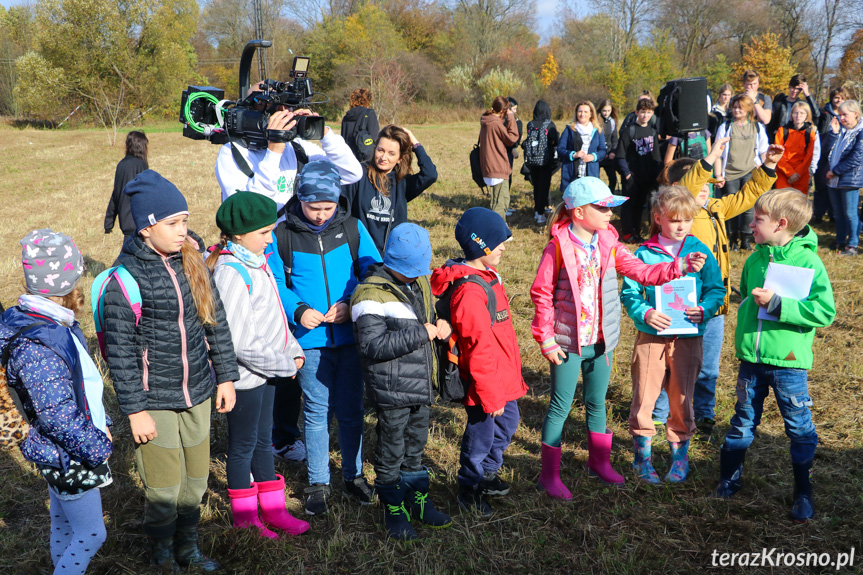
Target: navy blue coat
(850,165)
(570,141)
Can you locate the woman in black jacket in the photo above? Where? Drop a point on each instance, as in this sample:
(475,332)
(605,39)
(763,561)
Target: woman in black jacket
(133,164)
(380,198)
(608,112)
(360,118)
(541,169)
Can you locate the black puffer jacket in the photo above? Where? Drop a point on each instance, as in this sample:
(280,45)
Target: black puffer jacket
(399,362)
(163,363)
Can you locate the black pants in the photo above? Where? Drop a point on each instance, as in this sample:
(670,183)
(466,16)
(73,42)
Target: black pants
(540,177)
(250,442)
(738,227)
(402,435)
(288,402)
(632,210)
(610,171)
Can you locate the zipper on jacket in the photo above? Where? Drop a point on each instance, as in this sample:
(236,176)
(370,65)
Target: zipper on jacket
(330,327)
(182,324)
(758,331)
(146,371)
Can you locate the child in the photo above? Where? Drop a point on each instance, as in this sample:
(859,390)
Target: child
(395,325)
(640,163)
(320,253)
(577,323)
(709,227)
(161,366)
(490,361)
(776,354)
(60,388)
(668,362)
(266,351)
(800,140)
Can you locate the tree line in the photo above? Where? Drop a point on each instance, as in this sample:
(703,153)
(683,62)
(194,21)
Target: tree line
(116,61)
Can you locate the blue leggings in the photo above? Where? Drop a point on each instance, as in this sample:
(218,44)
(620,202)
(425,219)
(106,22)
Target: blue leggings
(77,531)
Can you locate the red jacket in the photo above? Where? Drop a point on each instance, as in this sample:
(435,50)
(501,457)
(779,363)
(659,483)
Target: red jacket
(490,358)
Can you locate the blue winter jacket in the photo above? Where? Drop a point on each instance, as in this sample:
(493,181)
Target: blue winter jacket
(322,274)
(638,300)
(849,166)
(570,141)
(45,370)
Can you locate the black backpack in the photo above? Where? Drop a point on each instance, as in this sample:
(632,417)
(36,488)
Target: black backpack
(450,384)
(535,145)
(363,141)
(284,244)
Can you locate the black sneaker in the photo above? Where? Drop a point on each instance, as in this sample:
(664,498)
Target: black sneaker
(471,499)
(705,428)
(360,490)
(317,499)
(493,485)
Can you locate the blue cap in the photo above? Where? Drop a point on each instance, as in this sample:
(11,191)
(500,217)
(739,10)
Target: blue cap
(152,199)
(590,190)
(408,251)
(479,231)
(319,182)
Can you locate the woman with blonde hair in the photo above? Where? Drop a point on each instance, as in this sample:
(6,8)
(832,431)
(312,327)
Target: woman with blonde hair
(582,145)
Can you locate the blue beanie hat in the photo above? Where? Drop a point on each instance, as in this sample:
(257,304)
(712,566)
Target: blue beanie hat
(408,251)
(319,182)
(152,199)
(479,231)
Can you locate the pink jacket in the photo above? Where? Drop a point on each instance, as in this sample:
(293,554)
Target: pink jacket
(556,299)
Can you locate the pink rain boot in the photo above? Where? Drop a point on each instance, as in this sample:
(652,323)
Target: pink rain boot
(599,458)
(549,477)
(271,496)
(244,509)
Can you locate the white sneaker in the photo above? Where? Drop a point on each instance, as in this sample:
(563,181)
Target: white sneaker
(293,453)
(540,219)
(509,212)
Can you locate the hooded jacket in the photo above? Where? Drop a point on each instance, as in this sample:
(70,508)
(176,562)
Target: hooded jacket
(845,156)
(556,298)
(352,121)
(571,141)
(380,213)
(389,325)
(709,224)
(322,274)
(797,158)
(490,359)
(495,137)
(709,288)
(118,205)
(541,115)
(787,342)
(164,361)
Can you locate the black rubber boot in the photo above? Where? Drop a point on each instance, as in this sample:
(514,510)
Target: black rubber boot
(396,518)
(162,553)
(746,243)
(419,503)
(186,550)
(472,499)
(802,510)
(730,472)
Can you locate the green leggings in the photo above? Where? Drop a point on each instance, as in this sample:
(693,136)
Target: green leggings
(595,367)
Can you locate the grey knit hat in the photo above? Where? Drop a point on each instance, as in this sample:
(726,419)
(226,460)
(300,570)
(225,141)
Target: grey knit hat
(52,262)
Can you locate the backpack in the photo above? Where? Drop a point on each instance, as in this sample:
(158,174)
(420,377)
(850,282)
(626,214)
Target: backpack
(284,244)
(14,419)
(451,386)
(131,292)
(363,142)
(695,148)
(244,273)
(535,145)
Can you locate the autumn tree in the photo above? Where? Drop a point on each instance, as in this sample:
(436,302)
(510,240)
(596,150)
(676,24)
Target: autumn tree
(549,71)
(770,59)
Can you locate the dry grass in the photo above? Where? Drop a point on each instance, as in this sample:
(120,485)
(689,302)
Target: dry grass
(63,179)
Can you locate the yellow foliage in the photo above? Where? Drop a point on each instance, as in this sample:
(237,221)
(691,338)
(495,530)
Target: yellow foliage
(766,55)
(549,71)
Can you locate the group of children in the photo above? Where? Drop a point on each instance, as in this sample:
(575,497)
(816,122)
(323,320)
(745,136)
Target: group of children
(311,296)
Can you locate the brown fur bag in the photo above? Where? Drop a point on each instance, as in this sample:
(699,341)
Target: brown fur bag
(13,428)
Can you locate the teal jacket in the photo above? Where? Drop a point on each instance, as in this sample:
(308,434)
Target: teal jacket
(638,299)
(787,342)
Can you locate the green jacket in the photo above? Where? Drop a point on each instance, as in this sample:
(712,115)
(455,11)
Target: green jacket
(787,342)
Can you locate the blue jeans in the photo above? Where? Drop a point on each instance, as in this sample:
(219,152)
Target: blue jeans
(704,400)
(332,382)
(484,441)
(845,202)
(792,397)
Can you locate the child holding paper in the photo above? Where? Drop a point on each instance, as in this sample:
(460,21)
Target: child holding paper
(776,354)
(668,359)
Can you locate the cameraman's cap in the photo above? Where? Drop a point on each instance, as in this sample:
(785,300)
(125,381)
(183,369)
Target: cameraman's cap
(479,231)
(152,199)
(52,262)
(590,190)
(319,182)
(408,251)
(245,212)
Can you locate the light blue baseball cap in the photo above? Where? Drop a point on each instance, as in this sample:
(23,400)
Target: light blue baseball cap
(590,190)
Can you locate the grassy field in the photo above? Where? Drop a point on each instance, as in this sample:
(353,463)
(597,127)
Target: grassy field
(63,179)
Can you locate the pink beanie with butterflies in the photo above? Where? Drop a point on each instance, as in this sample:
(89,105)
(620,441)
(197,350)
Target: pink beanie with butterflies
(52,263)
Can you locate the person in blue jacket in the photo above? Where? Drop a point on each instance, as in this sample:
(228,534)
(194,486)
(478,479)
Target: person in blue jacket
(845,176)
(318,255)
(582,145)
(60,391)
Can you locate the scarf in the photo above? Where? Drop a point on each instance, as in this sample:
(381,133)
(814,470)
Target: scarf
(245,256)
(45,306)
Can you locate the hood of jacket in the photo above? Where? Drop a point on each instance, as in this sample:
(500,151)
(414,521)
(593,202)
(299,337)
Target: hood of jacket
(355,113)
(541,111)
(454,269)
(805,239)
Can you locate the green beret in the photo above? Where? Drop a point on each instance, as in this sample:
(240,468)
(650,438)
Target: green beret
(245,212)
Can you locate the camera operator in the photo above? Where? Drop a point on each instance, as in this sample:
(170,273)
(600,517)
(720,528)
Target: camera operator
(275,169)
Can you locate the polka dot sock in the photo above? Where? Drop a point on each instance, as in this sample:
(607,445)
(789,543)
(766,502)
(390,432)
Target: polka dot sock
(80,533)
